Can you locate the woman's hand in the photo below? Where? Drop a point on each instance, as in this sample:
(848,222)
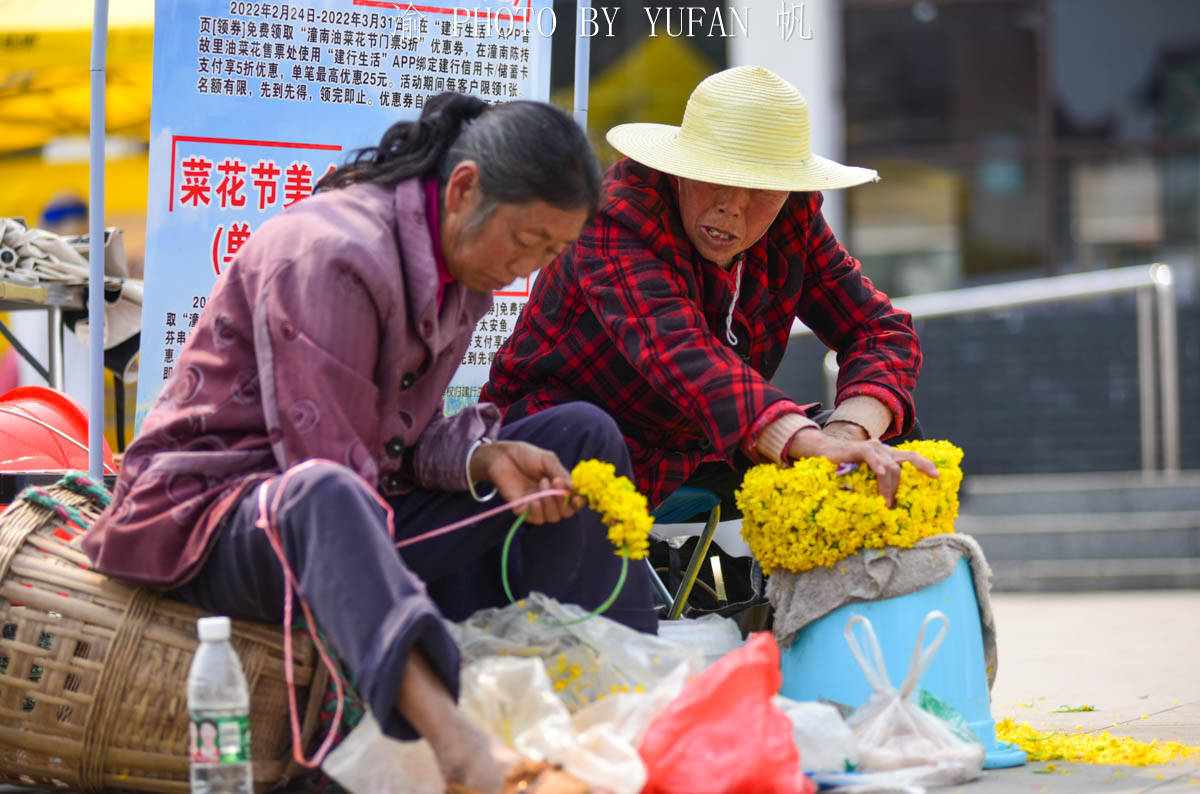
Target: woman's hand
(884,460)
(518,469)
(847,430)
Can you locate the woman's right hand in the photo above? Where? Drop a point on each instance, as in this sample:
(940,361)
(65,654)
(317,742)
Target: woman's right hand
(883,460)
(518,469)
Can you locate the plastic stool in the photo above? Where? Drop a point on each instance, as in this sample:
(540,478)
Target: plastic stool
(819,663)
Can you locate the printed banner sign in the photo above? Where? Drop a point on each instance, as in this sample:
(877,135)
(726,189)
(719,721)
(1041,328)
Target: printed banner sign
(254,102)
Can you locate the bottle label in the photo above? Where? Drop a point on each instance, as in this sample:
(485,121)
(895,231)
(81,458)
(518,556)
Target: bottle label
(219,740)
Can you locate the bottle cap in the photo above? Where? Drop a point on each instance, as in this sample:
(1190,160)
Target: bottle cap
(213,629)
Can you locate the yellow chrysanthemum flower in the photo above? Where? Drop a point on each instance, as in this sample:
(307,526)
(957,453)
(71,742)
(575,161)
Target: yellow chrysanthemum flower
(809,514)
(619,504)
(1099,748)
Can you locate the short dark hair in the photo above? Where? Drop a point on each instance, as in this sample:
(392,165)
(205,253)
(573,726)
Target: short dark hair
(526,151)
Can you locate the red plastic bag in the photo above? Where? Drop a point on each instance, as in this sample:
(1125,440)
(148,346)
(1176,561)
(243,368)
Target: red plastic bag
(723,735)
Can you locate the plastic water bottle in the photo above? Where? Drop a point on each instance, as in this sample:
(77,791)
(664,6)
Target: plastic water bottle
(219,708)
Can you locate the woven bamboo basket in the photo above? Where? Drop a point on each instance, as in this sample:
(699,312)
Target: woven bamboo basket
(93,672)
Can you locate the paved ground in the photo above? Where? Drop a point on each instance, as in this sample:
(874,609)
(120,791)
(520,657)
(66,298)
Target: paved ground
(1134,656)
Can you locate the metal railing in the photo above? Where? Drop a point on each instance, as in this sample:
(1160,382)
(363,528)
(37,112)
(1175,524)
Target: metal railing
(1154,286)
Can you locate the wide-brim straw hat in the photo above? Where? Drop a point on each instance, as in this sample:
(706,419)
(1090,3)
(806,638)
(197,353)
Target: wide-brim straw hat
(745,127)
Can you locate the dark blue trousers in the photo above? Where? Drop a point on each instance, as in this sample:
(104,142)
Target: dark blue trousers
(376,603)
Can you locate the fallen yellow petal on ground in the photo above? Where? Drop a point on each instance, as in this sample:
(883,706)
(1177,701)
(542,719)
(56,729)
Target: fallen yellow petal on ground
(1099,748)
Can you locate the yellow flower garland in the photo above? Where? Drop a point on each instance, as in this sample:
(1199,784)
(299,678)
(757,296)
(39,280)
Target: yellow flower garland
(619,504)
(1100,748)
(806,515)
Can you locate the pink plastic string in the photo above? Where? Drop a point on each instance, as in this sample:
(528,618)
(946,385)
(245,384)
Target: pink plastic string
(520,501)
(267,521)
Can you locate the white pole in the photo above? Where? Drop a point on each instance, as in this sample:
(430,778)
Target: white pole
(801,41)
(583,58)
(1168,365)
(96,244)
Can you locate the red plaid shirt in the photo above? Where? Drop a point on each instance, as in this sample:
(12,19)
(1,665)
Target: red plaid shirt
(633,319)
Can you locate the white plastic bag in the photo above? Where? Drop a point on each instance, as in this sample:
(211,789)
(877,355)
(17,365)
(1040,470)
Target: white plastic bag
(712,635)
(512,700)
(894,781)
(613,678)
(367,762)
(825,741)
(893,731)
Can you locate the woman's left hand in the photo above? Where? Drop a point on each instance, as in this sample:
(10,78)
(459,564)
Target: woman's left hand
(517,469)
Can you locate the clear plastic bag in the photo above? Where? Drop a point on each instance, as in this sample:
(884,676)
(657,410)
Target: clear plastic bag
(577,694)
(712,635)
(893,731)
(585,661)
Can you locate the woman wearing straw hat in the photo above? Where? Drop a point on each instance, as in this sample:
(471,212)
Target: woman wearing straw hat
(307,403)
(672,310)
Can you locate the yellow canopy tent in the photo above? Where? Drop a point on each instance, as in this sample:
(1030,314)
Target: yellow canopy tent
(45,88)
(625,91)
(44,91)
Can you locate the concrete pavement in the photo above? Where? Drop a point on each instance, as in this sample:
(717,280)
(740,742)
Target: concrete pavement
(1133,656)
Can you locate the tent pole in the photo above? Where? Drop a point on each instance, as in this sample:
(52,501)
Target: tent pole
(96,243)
(583,58)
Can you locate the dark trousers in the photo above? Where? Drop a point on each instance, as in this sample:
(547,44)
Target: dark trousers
(376,603)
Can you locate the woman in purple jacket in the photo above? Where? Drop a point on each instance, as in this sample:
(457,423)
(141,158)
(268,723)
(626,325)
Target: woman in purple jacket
(315,379)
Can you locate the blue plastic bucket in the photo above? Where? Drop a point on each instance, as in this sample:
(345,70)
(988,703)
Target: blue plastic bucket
(819,663)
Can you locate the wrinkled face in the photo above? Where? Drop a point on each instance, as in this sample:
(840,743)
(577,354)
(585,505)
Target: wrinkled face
(722,221)
(487,250)
(513,241)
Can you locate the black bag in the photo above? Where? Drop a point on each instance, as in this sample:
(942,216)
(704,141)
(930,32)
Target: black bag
(742,584)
